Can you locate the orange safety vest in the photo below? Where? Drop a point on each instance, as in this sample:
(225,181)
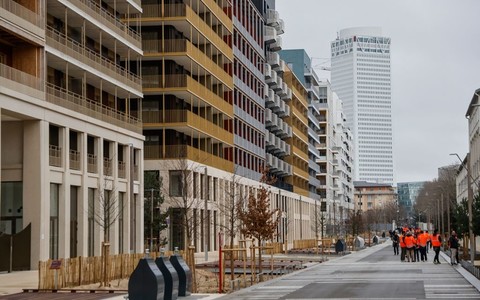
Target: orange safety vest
(436,241)
(409,241)
(422,240)
(402,241)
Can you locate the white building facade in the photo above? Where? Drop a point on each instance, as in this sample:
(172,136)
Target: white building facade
(361,76)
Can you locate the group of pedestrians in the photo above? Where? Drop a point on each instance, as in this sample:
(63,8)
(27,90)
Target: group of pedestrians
(414,245)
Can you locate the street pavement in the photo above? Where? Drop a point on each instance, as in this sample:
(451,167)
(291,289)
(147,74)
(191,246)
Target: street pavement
(373,273)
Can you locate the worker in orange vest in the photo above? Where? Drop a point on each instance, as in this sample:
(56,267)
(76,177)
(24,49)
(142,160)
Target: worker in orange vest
(436,243)
(403,249)
(410,245)
(422,245)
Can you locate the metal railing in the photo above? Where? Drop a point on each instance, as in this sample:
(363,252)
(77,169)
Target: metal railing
(98,11)
(91,163)
(122,169)
(78,103)
(22,12)
(78,51)
(21,77)
(55,155)
(74,156)
(475,271)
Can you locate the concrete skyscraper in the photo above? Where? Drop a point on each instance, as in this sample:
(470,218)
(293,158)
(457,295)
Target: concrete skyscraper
(361,76)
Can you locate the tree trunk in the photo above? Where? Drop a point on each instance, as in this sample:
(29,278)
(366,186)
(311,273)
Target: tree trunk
(260,266)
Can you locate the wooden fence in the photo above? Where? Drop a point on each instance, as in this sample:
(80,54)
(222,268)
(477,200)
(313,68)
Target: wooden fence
(79,271)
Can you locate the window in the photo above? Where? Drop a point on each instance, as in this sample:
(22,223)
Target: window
(176,183)
(54,198)
(91,222)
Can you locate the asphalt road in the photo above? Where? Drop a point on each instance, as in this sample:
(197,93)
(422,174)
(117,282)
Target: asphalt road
(373,273)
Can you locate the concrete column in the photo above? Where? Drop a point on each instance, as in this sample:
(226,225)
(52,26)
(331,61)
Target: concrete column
(64,198)
(82,247)
(36,188)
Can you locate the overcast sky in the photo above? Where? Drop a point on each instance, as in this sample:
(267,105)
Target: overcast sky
(435,56)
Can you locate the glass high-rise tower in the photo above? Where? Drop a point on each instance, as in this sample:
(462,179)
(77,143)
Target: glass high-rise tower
(361,76)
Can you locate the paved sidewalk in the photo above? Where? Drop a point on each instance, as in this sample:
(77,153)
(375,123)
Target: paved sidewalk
(373,273)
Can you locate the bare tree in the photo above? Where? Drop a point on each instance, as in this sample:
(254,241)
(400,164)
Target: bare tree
(182,193)
(259,221)
(106,211)
(228,209)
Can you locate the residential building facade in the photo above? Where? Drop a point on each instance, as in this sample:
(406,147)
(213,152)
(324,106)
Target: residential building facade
(71,137)
(361,76)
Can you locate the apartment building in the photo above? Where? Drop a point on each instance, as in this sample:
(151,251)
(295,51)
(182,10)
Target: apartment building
(301,65)
(71,136)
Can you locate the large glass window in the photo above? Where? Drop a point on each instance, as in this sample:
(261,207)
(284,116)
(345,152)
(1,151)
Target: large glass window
(121,197)
(91,222)
(73,220)
(176,184)
(54,199)
(11,207)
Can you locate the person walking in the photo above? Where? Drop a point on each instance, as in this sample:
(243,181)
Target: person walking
(422,245)
(403,249)
(395,242)
(436,243)
(410,245)
(453,244)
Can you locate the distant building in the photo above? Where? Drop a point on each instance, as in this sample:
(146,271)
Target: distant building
(407,195)
(371,195)
(360,75)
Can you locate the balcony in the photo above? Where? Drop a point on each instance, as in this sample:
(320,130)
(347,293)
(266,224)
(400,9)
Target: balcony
(18,15)
(20,81)
(182,82)
(273,59)
(267,70)
(272,79)
(277,44)
(175,48)
(205,128)
(55,156)
(188,152)
(272,17)
(92,166)
(270,35)
(74,157)
(84,55)
(110,21)
(277,87)
(176,12)
(80,104)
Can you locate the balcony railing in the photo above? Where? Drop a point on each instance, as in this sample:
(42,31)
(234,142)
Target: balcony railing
(21,77)
(188,152)
(183,10)
(122,169)
(182,81)
(108,19)
(78,51)
(78,103)
(22,12)
(107,166)
(55,155)
(92,163)
(74,157)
